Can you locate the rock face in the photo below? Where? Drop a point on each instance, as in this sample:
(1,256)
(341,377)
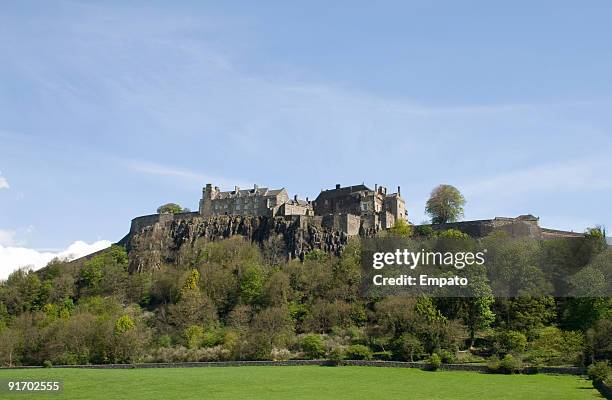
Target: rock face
(159,239)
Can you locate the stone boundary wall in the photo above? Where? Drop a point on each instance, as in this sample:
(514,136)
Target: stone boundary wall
(604,389)
(361,363)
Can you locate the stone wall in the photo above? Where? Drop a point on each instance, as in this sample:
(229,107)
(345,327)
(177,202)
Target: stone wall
(354,363)
(521,226)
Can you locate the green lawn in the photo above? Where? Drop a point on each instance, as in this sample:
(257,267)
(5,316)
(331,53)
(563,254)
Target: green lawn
(307,382)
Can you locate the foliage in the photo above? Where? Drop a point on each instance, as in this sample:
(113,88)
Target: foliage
(123,324)
(508,341)
(599,371)
(445,204)
(313,346)
(434,362)
(453,234)
(556,347)
(509,364)
(358,352)
(408,346)
(401,228)
(194,336)
(171,208)
(226,300)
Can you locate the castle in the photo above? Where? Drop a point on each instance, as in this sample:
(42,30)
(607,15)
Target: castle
(357,207)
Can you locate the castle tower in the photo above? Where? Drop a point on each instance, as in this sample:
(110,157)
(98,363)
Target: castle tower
(208,195)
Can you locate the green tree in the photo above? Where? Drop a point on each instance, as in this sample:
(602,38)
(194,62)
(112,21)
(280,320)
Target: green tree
(445,204)
(313,346)
(408,346)
(194,336)
(170,208)
(401,228)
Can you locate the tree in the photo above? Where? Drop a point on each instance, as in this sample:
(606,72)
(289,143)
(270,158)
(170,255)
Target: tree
(445,204)
(171,208)
(401,228)
(313,346)
(409,346)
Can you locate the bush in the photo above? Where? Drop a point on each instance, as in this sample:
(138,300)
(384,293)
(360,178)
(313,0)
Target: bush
(194,335)
(313,346)
(493,364)
(358,352)
(446,356)
(509,364)
(383,355)
(509,342)
(599,371)
(280,354)
(47,364)
(336,354)
(408,347)
(434,362)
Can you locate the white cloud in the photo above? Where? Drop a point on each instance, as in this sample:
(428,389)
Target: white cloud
(13,258)
(7,237)
(3,182)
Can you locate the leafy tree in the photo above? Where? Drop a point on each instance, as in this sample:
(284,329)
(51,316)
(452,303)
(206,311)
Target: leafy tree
(194,335)
(408,346)
(170,208)
(313,346)
(401,228)
(358,352)
(123,324)
(505,342)
(445,204)
(251,284)
(599,340)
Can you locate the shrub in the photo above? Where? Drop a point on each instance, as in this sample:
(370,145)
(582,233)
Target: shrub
(434,362)
(336,354)
(493,364)
(358,352)
(313,346)
(408,346)
(599,371)
(194,335)
(509,364)
(447,356)
(280,354)
(382,355)
(47,364)
(509,342)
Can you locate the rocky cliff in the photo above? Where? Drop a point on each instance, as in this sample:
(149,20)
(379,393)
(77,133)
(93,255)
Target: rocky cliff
(159,239)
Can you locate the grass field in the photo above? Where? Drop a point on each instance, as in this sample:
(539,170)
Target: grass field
(307,382)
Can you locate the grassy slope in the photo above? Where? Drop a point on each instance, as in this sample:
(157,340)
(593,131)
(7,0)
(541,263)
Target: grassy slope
(308,382)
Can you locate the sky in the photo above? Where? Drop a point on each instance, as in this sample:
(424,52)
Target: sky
(109,109)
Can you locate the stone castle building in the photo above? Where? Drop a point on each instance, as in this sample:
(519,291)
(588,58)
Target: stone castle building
(256,202)
(352,208)
(377,209)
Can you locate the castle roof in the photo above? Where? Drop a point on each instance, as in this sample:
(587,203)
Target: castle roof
(265,192)
(343,191)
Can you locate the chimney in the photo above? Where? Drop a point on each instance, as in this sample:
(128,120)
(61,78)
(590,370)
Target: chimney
(255,187)
(337,186)
(376,188)
(399,193)
(295,198)
(307,200)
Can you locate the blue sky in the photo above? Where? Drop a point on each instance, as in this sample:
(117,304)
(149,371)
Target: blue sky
(109,109)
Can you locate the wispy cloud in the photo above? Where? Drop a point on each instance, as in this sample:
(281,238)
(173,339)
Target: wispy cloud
(572,176)
(184,174)
(3,182)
